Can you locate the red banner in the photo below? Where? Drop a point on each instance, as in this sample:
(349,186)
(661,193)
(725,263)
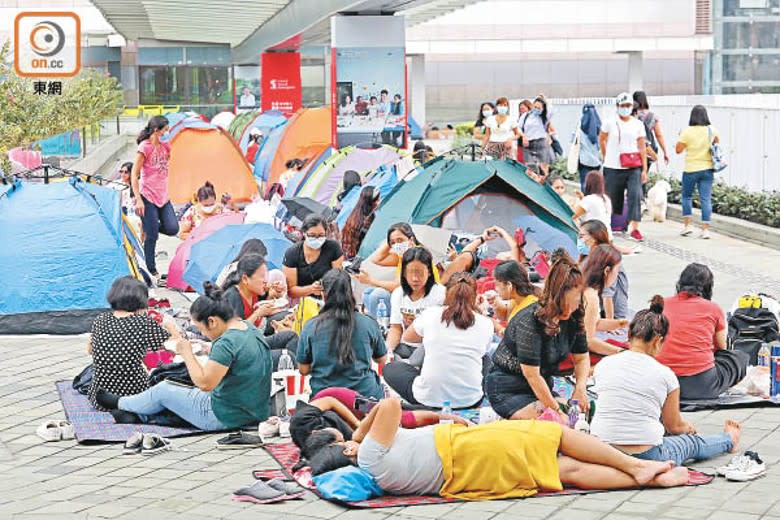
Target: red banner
(280,81)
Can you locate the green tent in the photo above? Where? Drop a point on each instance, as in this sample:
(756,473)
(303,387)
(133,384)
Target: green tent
(471,196)
(238,124)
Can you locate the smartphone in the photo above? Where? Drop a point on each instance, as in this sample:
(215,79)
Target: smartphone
(364,405)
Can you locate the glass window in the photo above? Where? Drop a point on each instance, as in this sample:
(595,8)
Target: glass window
(208,55)
(758,35)
(748,7)
(160,55)
(765,67)
(184,85)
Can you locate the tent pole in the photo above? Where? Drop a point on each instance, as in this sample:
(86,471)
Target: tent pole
(46,174)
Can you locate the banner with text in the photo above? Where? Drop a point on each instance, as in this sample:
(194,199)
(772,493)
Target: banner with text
(281,82)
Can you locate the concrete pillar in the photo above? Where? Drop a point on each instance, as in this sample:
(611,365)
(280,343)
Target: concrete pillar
(416,88)
(128,64)
(634,70)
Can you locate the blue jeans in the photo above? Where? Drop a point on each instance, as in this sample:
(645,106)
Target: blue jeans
(680,448)
(703,179)
(371,298)
(156,220)
(191,404)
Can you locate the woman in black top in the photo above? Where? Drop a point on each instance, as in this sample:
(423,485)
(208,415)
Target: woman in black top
(307,262)
(519,385)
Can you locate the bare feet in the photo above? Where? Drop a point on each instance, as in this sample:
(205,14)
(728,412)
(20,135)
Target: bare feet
(673,477)
(646,470)
(734,430)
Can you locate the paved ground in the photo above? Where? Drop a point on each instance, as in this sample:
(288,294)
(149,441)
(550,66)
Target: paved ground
(67,480)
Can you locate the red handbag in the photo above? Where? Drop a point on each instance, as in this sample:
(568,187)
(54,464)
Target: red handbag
(628,159)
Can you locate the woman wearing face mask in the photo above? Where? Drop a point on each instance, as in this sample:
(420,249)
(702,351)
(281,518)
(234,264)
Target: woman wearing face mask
(487,110)
(149,180)
(600,270)
(622,143)
(500,131)
(614,297)
(524,107)
(536,131)
(306,262)
(205,207)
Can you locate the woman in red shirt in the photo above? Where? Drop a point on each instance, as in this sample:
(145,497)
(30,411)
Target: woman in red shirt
(695,347)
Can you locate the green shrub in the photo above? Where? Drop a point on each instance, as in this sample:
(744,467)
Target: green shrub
(464,129)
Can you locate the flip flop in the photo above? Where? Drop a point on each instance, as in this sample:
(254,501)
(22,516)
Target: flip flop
(290,489)
(66,430)
(239,441)
(259,493)
(49,431)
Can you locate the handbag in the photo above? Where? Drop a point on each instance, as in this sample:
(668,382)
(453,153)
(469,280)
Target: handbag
(628,159)
(573,159)
(718,162)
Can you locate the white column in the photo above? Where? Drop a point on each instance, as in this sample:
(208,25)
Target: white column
(634,70)
(416,88)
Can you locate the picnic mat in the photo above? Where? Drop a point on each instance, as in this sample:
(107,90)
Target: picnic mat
(727,401)
(91,425)
(287,455)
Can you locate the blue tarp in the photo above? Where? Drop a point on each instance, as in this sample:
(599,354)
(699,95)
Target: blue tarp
(209,256)
(385,179)
(67,144)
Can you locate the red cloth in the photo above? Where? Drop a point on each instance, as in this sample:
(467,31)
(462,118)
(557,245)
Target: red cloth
(251,152)
(566,366)
(693,322)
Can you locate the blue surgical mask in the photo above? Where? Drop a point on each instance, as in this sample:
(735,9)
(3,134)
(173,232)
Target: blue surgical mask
(624,111)
(400,248)
(502,109)
(536,112)
(315,243)
(487,113)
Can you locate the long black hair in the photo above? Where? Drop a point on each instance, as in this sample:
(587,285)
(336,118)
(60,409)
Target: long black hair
(417,254)
(696,279)
(509,271)
(247,265)
(404,228)
(329,458)
(480,118)
(544,115)
(155,123)
(339,308)
(211,304)
(640,100)
(699,117)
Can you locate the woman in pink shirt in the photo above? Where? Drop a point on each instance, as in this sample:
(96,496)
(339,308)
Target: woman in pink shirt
(150,186)
(695,347)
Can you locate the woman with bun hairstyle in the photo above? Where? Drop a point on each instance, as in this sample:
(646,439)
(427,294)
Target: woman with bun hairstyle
(635,390)
(233,387)
(206,206)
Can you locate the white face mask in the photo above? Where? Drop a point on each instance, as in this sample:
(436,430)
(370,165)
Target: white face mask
(400,248)
(487,113)
(502,109)
(315,243)
(208,209)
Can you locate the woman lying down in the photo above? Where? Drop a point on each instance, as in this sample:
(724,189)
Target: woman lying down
(504,459)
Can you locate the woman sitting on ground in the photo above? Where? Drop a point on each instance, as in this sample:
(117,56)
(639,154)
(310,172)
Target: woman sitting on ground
(633,384)
(455,339)
(359,221)
(524,457)
(233,387)
(537,339)
(596,205)
(119,340)
(515,291)
(601,270)
(205,207)
(252,246)
(695,348)
(418,292)
(306,262)
(338,345)
(614,297)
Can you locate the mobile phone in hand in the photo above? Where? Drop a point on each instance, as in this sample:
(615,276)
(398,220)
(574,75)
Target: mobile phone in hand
(364,405)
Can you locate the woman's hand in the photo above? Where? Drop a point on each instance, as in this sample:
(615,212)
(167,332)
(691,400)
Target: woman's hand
(582,397)
(316,288)
(264,309)
(525,141)
(184,348)
(139,207)
(459,420)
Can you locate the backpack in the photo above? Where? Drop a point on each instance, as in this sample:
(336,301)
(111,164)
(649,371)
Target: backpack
(750,327)
(83,381)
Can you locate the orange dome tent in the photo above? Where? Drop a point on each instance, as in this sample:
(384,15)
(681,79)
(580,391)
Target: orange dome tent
(306,136)
(200,154)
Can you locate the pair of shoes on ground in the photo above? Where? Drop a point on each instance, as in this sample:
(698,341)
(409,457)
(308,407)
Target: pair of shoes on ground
(275,490)
(239,441)
(743,468)
(688,231)
(273,427)
(146,444)
(51,431)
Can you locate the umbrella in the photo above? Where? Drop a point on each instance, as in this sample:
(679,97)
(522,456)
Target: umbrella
(210,255)
(182,255)
(302,207)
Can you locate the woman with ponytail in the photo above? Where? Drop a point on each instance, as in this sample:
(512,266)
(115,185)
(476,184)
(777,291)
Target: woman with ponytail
(232,387)
(537,339)
(455,338)
(149,180)
(338,345)
(635,390)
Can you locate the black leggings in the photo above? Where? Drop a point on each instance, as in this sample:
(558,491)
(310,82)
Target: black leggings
(730,368)
(617,182)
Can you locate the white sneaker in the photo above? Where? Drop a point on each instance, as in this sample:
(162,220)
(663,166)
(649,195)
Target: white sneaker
(748,468)
(284,429)
(705,234)
(269,428)
(687,231)
(733,464)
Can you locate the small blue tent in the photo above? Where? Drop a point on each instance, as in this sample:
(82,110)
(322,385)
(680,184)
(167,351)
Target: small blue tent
(385,178)
(265,122)
(65,244)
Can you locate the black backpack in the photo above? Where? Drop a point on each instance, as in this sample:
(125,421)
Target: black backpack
(749,328)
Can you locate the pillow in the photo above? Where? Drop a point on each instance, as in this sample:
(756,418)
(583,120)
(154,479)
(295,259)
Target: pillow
(347,484)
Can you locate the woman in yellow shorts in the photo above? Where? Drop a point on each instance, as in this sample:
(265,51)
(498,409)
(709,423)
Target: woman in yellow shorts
(504,459)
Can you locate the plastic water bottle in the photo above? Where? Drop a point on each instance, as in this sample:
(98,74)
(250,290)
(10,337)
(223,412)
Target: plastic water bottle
(285,362)
(446,413)
(582,424)
(774,372)
(382,315)
(574,412)
(763,355)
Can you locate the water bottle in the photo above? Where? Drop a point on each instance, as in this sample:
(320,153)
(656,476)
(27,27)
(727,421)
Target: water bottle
(774,372)
(574,412)
(285,362)
(763,355)
(446,414)
(382,315)
(582,424)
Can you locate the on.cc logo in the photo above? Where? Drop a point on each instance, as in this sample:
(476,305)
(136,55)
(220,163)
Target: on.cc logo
(47,38)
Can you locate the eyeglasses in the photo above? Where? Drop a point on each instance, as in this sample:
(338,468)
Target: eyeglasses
(314,237)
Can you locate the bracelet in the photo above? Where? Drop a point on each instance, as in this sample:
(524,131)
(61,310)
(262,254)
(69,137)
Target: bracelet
(481,239)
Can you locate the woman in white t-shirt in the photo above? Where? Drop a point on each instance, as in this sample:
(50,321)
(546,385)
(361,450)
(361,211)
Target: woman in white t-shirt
(635,390)
(418,291)
(455,338)
(500,132)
